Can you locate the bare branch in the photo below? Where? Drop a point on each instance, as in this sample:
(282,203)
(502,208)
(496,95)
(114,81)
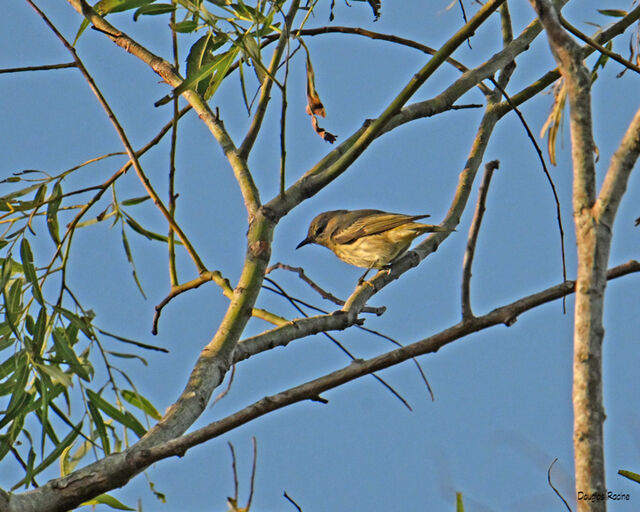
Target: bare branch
(382,37)
(472,238)
(45,67)
(507,315)
(594,242)
(323,293)
(205,277)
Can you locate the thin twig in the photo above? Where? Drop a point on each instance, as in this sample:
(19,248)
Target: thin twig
(226,390)
(234,469)
(227,290)
(265,91)
(283,116)
(618,58)
(254,465)
(291,500)
(472,238)
(549,180)
(503,315)
(323,293)
(382,37)
(338,344)
(171,242)
(553,487)
(45,67)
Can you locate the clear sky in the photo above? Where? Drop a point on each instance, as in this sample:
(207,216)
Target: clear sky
(502,410)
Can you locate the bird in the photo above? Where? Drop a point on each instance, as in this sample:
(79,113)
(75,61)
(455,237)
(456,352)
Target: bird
(367,238)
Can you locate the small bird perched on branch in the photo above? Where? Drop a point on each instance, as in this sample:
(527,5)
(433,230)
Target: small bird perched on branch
(367,238)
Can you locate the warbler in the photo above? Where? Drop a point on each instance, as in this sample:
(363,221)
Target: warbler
(367,238)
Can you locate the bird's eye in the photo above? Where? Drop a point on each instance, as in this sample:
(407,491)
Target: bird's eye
(320,228)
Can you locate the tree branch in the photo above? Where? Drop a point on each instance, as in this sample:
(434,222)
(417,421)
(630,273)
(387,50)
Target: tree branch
(594,242)
(163,68)
(472,239)
(507,315)
(265,89)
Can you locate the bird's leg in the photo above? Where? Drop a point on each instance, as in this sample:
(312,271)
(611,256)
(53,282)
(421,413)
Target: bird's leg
(361,280)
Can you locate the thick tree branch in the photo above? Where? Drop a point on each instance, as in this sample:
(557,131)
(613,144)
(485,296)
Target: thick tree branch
(506,315)
(117,469)
(594,241)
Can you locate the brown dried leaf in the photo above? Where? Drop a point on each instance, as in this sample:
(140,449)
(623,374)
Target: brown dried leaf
(314,105)
(554,120)
(329,137)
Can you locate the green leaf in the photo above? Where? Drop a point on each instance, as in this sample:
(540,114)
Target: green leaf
(127,250)
(630,475)
(221,71)
(137,400)
(82,323)
(69,462)
(145,232)
(185,26)
(52,210)
(13,364)
(252,51)
(153,10)
(65,352)
(105,499)
(133,342)
(39,331)
(20,399)
(29,270)
(135,200)
(124,355)
(110,6)
(56,374)
(218,66)
(124,418)
(615,13)
(100,427)
(13,305)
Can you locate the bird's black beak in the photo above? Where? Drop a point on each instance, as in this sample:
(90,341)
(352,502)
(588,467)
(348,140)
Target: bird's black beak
(304,242)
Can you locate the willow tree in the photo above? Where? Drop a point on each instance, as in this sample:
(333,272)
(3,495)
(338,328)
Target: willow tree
(65,398)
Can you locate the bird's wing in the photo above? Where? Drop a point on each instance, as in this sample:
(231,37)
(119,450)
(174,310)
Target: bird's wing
(372,222)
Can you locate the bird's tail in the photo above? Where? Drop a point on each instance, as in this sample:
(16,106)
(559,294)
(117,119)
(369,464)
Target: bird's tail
(431,228)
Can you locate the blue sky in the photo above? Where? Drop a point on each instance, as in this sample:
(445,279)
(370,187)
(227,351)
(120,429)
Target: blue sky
(502,409)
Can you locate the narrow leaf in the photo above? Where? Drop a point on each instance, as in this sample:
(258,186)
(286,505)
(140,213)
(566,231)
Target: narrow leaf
(29,270)
(137,400)
(153,10)
(110,501)
(98,422)
(52,213)
(124,418)
(55,453)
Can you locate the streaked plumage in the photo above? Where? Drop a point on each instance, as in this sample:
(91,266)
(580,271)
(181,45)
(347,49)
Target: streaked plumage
(367,238)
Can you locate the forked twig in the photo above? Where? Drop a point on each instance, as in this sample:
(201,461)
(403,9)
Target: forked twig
(323,293)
